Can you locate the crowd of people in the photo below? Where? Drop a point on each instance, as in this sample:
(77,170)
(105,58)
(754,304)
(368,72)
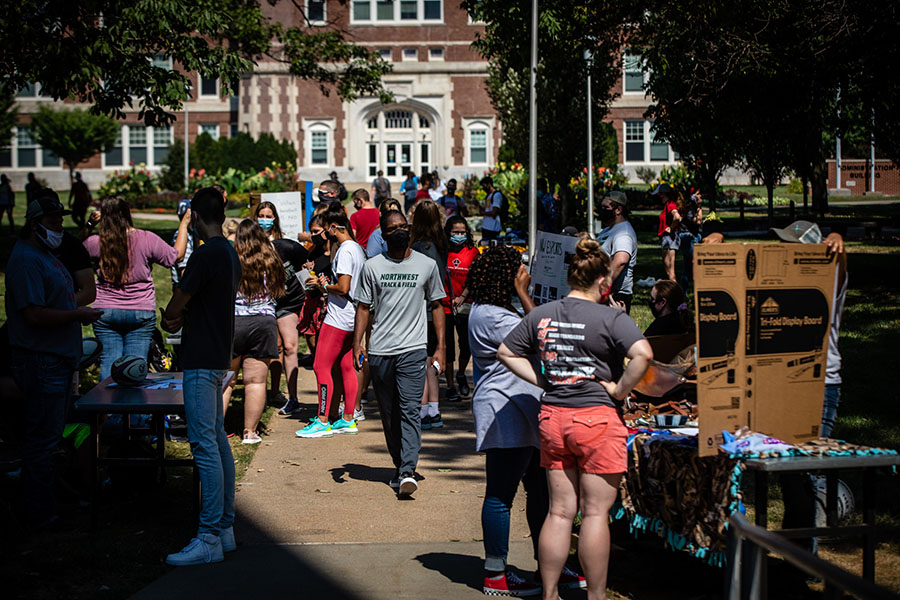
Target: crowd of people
(385,295)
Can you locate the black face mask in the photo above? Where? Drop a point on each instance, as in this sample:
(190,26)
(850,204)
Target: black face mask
(606,214)
(397,239)
(318,241)
(653,310)
(324,197)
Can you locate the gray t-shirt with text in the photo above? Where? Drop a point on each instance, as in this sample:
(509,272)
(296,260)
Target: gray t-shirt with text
(580,343)
(396,291)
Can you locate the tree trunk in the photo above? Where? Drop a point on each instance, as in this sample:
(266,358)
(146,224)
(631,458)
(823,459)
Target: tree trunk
(770,193)
(819,187)
(804,181)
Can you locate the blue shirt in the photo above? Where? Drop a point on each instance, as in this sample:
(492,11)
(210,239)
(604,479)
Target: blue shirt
(34,277)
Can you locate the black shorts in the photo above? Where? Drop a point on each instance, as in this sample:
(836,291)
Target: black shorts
(255,336)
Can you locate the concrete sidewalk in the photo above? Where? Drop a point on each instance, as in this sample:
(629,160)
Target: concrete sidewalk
(317,517)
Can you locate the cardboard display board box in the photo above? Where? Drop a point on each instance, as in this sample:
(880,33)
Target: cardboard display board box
(553,254)
(763,317)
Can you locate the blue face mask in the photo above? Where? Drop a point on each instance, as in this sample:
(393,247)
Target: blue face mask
(266,224)
(458,239)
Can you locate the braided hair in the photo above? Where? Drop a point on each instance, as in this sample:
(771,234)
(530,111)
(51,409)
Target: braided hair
(492,276)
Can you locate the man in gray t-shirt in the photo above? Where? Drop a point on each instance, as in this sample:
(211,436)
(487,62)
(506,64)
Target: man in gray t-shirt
(392,291)
(620,244)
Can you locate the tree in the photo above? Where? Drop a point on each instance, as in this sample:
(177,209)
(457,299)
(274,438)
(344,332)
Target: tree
(102,52)
(8,114)
(73,135)
(566,29)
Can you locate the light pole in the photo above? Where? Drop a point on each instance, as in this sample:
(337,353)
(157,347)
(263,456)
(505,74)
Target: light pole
(186,141)
(589,59)
(532,134)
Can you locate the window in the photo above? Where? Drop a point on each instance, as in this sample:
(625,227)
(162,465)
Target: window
(27,148)
(209,86)
(396,11)
(372,123)
(410,54)
(115,156)
(29,90)
(478,146)
(163,62)
(398,119)
(6,157)
(435,54)
(210,128)
(633,77)
(48,158)
(659,149)
(386,54)
(634,141)
(232,130)
(315,11)
(319,147)
(162,137)
(424,123)
(137,144)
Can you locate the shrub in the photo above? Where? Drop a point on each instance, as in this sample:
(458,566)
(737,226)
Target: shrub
(605,179)
(646,174)
(131,184)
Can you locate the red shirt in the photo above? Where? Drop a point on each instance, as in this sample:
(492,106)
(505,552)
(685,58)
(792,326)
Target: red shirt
(364,222)
(458,264)
(665,217)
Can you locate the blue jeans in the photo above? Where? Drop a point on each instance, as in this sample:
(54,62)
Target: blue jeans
(829,408)
(46,383)
(687,258)
(504,469)
(123,333)
(205,418)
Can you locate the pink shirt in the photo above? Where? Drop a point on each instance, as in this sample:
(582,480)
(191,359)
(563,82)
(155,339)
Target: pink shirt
(144,249)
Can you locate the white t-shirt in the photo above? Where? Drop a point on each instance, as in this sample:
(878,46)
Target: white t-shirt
(434,194)
(348,260)
(493,223)
(621,238)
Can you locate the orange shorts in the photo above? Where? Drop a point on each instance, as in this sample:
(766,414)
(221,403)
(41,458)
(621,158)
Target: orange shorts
(591,439)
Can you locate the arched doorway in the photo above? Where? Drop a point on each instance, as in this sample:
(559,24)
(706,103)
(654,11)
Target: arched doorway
(399,139)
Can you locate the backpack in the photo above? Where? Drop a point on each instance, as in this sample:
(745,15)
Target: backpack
(503,215)
(382,187)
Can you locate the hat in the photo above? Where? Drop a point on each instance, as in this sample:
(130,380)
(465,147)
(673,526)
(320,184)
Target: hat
(663,188)
(618,198)
(570,230)
(46,203)
(799,232)
(183,207)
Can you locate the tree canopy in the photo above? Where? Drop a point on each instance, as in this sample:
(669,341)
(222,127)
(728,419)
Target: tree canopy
(73,135)
(102,51)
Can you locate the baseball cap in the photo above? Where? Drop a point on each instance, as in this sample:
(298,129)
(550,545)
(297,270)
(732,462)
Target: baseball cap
(663,188)
(618,198)
(570,230)
(45,203)
(799,232)
(183,207)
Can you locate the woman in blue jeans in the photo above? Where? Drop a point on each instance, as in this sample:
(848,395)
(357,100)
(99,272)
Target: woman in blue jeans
(125,257)
(506,420)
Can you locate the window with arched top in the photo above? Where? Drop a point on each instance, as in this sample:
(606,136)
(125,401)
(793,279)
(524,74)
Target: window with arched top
(478,141)
(398,119)
(319,142)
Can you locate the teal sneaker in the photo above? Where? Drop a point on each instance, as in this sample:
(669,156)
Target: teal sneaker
(343,426)
(315,429)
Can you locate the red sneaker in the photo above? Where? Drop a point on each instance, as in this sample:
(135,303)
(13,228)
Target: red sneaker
(510,585)
(568,579)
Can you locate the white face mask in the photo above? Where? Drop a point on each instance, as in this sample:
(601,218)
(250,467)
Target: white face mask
(51,239)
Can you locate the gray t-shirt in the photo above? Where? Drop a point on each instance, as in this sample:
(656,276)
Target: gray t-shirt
(579,343)
(621,238)
(396,291)
(505,407)
(35,278)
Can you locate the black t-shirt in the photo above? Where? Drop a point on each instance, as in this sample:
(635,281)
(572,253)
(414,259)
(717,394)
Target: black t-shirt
(579,343)
(669,324)
(321,264)
(72,254)
(292,255)
(211,277)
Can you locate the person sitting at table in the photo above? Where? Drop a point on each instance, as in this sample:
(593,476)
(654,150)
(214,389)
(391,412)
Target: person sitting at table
(255,326)
(581,344)
(669,308)
(204,304)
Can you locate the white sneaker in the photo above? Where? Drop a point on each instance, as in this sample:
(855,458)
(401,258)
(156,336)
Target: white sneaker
(226,536)
(408,487)
(251,437)
(203,549)
(358,414)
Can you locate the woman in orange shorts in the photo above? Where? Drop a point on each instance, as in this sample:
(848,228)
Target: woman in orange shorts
(581,344)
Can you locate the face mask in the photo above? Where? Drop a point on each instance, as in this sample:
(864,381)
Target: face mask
(51,239)
(324,197)
(451,191)
(397,239)
(606,214)
(318,241)
(653,310)
(458,238)
(266,224)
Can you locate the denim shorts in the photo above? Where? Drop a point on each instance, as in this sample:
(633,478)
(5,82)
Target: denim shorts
(670,242)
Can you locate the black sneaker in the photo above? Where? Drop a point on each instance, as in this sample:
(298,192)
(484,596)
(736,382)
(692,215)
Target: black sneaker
(453,395)
(426,422)
(436,422)
(463,384)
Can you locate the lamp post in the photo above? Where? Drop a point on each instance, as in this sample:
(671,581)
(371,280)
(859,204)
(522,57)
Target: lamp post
(532,133)
(186,141)
(589,59)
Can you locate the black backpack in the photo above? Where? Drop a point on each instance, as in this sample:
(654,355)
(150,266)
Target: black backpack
(504,210)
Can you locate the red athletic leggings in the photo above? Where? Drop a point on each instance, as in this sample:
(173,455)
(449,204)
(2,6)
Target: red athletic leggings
(332,347)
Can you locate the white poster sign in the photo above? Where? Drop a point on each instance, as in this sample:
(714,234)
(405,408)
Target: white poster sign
(551,266)
(290,211)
